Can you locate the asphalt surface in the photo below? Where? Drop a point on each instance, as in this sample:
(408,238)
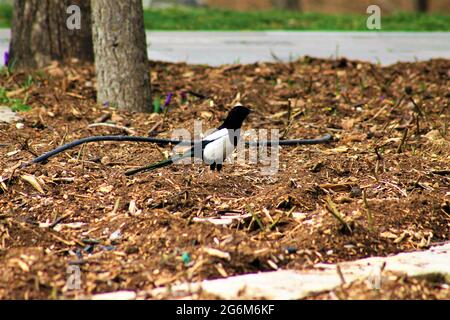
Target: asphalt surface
(216,48)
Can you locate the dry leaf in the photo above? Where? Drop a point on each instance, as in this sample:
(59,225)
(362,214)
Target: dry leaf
(388,235)
(206,115)
(217,253)
(22,265)
(33,181)
(133,209)
(340,149)
(105,189)
(348,124)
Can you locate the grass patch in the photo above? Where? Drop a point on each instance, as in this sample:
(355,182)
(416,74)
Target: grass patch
(5,15)
(16,104)
(180,18)
(184,18)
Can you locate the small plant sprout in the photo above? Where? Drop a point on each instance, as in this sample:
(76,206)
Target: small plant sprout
(20,105)
(331,207)
(157,104)
(28,82)
(337,85)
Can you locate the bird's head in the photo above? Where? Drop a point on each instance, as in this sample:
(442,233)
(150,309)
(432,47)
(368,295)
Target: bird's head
(235,117)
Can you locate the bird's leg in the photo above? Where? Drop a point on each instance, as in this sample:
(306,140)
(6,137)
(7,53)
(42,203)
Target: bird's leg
(212,168)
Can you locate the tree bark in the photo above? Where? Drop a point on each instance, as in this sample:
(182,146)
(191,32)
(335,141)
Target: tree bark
(293,5)
(39,33)
(422,5)
(120,49)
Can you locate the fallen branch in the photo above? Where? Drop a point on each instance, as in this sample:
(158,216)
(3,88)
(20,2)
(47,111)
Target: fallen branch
(111,125)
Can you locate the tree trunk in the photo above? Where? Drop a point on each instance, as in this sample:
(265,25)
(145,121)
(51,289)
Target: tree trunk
(40,33)
(422,5)
(293,5)
(121,63)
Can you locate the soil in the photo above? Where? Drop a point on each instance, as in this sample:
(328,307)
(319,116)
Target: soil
(386,174)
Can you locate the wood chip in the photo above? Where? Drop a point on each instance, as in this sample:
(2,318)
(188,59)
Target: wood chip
(217,253)
(33,182)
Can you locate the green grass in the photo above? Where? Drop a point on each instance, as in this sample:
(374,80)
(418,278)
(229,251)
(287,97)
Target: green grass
(214,19)
(181,18)
(16,104)
(5,15)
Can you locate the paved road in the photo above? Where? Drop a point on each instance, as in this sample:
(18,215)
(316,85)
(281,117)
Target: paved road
(216,48)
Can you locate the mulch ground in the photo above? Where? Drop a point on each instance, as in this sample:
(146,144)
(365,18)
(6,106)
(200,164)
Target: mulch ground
(386,174)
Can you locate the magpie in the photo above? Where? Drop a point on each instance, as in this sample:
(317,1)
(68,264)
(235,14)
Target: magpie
(232,125)
(214,148)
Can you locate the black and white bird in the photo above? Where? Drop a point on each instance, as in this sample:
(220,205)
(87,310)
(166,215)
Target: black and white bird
(214,148)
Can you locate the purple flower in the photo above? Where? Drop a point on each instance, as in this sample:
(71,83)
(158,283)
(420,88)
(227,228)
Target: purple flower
(168,99)
(6,58)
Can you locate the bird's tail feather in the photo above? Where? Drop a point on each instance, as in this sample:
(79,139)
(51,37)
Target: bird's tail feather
(157,165)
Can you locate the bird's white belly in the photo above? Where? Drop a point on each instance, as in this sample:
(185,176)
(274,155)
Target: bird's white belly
(218,150)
